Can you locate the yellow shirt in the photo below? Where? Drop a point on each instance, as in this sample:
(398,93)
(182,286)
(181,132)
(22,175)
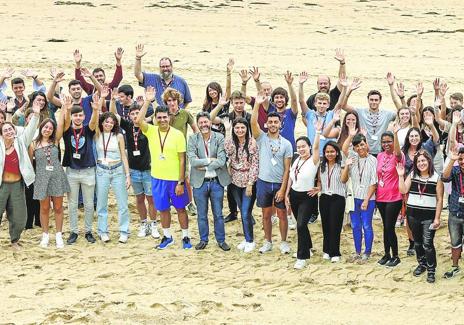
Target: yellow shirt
(174,143)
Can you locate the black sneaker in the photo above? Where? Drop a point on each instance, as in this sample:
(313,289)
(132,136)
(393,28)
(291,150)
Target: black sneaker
(384,260)
(430,277)
(224,246)
(72,238)
(452,272)
(201,245)
(419,270)
(394,261)
(411,252)
(312,219)
(89,237)
(230,217)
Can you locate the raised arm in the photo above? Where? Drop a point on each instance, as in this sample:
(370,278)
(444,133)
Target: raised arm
(396,141)
(66,104)
(391,85)
(352,131)
(245,77)
(293,102)
(150,94)
(453,156)
(122,151)
(86,73)
(340,57)
(301,97)
(256,74)
(117,77)
(456,118)
(428,120)
(97,101)
(346,171)
(6,74)
(57,78)
(329,130)
(230,69)
(404,185)
(114,97)
(255,129)
(220,105)
(87,87)
(139,53)
(356,83)
(317,137)
(31,127)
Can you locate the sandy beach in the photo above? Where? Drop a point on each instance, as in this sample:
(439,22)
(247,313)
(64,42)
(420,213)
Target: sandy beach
(135,284)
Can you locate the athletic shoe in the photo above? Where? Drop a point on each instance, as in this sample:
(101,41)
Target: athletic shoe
(325,256)
(201,245)
(241,246)
(154,230)
(165,243)
(335,259)
(267,247)
(104,238)
(384,260)
(354,258)
(45,240)
(411,252)
(394,261)
(291,222)
(123,238)
(191,209)
(365,257)
(284,247)
(274,219)
(72,238)
(431,276)
(224,246)
(249,247)
(186,243)
(419,270)
(294,255)
(59,240)
(89,237)
(452,272)
(299,264)
(312,219)
(143,229)
(398,223)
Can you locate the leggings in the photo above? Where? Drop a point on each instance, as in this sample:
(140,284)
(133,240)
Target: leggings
(33,208)
(302,205)
(361,222)
(332,208)
(389,213)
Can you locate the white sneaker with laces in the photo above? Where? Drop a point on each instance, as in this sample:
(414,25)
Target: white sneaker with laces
(59,240)
(249,247)
(143,229)
(291,222)
(154,230)
(299,264)
(123,238)
(284,247)
(104,238)
(267,247)
(241,246)
(326,256)
(44,241)
(335,259)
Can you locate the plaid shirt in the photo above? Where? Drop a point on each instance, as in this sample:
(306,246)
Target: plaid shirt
(453,202)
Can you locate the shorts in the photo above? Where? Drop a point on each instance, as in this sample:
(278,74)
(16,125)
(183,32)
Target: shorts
(141,181)
(265,194)
(164,195)
(456,230)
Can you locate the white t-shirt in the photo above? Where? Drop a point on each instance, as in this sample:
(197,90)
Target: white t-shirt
(303,174)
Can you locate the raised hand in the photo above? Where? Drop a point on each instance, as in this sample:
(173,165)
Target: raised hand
(7,73)
(400,169)
(443,89)
(454,153)
(10,105)
(349,161)
(363,131)
(29,73)
(255,73)
(139,52)
(399,89)
(118,54)
(77,57)
(244,76)
(36,106)
(428,120)
(139,100)
(436,84)
(66,101)
(352,130)
(339,55)
(150,93)
(355,84)
(260,98)
(343,81)
(396,127)
(319,124)
(3,104)
(336,115)
(230,65)
(456,118)
(419,89)
(390,78)
(85,72)
(303,77)
(105,91)
(96,101)
(223,100)
(288,77)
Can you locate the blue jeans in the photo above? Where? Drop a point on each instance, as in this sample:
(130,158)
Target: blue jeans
(361,221)
(244,203)
(215,192)
(117,180)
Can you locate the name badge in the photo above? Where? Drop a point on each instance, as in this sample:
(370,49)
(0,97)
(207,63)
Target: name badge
(361,187)
(321,137)
(381,183)
(162,157)
(76,155)
(49,168)
(136,152)
(461,200)
(374,137)
(273,162)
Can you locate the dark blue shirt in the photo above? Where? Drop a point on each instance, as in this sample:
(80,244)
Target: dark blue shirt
(155,80)
(287,129)
(86,104)
(453,201)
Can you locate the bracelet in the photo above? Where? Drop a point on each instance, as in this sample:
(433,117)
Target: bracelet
(138,59)
(318,132)
(342,63)
(244,83)
(401,97)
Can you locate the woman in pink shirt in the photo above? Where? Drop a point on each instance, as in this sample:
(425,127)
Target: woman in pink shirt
(388,196)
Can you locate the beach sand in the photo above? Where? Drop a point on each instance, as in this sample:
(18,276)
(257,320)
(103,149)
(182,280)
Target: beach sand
(135,284)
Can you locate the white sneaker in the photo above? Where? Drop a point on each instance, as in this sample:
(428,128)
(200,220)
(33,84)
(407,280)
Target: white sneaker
(335,259)
(325,256)
(241,246)
(274,219)
(294,255)
(59,240)
(291,222)
(299,264)
(143,229)
(284,247)
(267,247)
(249,247)
(310,253)
(104,238)
(45,240)
(123,238)
(191,209)
(154,230)
(398,223)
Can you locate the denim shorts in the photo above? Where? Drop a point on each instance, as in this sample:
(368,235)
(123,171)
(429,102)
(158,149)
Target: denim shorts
(265,194)
(456,230)
(164,195)
(141,181)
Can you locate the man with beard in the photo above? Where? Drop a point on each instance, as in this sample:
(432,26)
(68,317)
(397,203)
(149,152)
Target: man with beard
(208,176)
(323,84)
(161,81)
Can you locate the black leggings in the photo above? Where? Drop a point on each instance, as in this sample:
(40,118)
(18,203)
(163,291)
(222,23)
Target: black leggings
(389,212)
(302,206)
(33,208)
(332,211)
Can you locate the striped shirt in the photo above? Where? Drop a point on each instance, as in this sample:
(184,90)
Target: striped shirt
(331,183)
(363,173)
(422,200)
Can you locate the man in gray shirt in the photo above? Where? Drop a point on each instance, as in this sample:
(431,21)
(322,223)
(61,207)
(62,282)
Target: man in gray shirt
(275,154)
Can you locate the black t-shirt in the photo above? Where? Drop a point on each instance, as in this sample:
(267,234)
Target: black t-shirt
(84,148)
(140,162)
(222,113)
(334,95)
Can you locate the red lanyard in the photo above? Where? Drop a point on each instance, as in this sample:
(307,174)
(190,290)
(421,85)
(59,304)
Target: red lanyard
(422,189)
(77,136)
(329,175)
(298,168)
(164,140)
(105,146)
(136,137)
(206,147)
(460,183)
(385,165)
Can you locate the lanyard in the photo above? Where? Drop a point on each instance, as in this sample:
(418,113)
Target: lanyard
(77,136)
(385,165)
(422,189)
(329,175)
(136,137)
(461,184)
(361,171)
(206,147)
(164,140)
(105,146)
(374,119)
(298,168)
(274,151)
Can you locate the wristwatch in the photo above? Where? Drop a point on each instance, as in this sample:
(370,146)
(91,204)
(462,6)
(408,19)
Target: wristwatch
(180,183)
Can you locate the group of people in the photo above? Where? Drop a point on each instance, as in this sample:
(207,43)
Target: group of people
(401,163)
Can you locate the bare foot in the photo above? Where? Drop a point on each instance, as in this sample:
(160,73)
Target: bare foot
(16,246)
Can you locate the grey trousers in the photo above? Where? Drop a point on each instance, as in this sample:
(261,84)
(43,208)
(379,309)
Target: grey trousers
(13,200)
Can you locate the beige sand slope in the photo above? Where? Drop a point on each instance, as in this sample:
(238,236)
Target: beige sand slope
(124,284)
